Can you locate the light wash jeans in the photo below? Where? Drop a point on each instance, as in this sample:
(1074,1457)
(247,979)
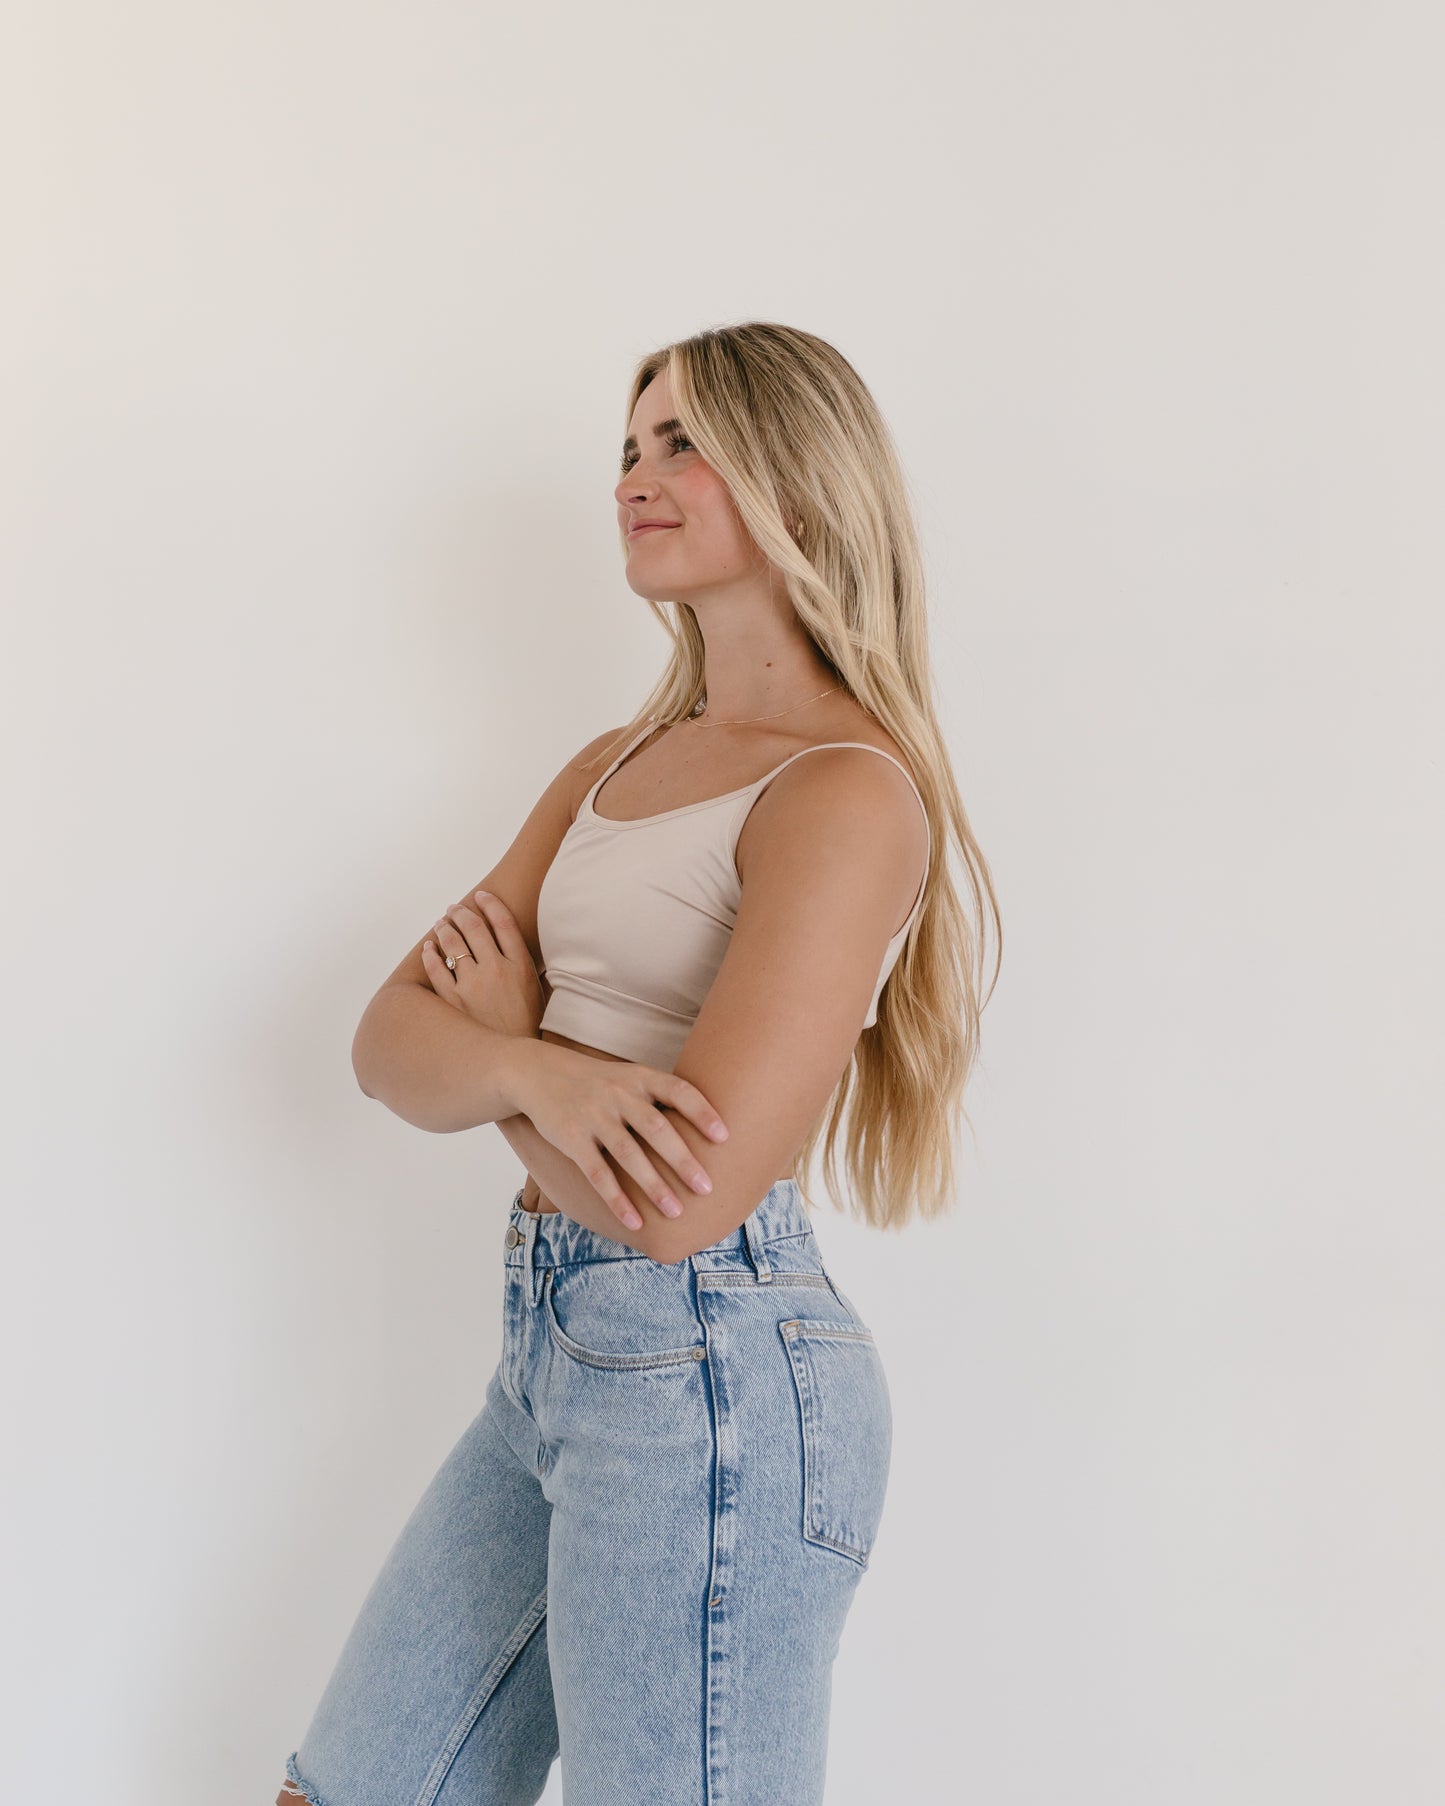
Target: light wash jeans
(640,1554)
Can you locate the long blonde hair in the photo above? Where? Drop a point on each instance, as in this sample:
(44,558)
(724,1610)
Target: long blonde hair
(790,427)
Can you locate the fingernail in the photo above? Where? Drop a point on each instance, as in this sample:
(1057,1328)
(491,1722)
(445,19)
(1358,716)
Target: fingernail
(702,1183)
(670,1205)
(482,893)
(632,1220)
(718,1131)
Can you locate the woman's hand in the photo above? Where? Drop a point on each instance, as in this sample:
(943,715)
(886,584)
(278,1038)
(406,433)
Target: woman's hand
(495,981)
(590,1108)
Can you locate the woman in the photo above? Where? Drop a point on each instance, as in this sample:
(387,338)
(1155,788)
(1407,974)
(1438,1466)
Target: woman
(682,975)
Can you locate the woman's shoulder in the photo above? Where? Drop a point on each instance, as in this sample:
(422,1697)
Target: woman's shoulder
(885,789)
(857,727)
(609,744)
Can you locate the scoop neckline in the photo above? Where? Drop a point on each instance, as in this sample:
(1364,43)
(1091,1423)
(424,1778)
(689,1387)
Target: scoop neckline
(641,821)
(588,809)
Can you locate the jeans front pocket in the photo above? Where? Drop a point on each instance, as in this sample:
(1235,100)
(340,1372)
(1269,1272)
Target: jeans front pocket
(622,1315)
(847,1431)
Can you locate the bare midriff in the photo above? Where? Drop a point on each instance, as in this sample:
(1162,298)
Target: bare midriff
(532,1194)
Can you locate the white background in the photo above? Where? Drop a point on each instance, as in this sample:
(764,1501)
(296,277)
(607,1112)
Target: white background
(317,322)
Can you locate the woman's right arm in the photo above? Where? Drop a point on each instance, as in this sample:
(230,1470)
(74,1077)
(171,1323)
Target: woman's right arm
(433,1066)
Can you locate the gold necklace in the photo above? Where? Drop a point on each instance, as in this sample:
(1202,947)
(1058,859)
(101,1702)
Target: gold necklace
(747,720)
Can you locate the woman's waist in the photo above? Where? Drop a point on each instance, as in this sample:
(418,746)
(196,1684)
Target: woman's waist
(533,1199)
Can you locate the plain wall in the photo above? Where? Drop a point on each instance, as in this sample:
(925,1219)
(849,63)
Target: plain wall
(317,324)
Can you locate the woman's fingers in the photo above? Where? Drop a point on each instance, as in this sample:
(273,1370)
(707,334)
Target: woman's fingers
(469,928)
(449,937)
(503,924)
(694,1106)
(687,1099)
(442,981)
(660,1134)
(631,1156)
(602,1180)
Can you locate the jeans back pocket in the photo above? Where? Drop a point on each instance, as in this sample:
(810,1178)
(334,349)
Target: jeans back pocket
(847,1431)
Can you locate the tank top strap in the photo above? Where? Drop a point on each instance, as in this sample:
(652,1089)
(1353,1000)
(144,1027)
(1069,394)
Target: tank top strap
(648,727)
(751,795)
(824,746)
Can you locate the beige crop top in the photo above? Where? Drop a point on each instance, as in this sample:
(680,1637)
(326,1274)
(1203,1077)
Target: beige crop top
(634,917)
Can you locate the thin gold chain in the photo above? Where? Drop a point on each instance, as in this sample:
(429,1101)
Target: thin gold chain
(749,719)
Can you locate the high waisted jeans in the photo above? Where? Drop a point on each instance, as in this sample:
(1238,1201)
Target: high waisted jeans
(640,1554)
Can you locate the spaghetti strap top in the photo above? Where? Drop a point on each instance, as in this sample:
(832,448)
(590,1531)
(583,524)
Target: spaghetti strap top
(633,926)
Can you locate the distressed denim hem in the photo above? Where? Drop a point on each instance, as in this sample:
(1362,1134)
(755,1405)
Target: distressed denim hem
(293,1775)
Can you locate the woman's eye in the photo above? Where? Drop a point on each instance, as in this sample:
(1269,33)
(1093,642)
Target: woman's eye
(675,440)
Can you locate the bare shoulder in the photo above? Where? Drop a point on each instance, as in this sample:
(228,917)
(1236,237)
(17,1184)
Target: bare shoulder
(863,727)
(610,742)
(842,778)
(589,763)
(861,807)
(839,772)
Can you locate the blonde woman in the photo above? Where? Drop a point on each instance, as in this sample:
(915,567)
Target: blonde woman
(725,936)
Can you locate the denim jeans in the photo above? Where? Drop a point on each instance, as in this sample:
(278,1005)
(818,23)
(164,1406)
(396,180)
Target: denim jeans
(640,1554)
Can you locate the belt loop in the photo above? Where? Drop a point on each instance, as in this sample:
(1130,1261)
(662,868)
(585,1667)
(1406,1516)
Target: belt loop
(757,1254)
(529,1256)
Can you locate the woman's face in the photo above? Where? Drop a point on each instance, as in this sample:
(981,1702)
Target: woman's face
(705,544)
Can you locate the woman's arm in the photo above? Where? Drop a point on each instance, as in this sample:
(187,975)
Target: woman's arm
(415,1053)
(442,1070)
(433,1066)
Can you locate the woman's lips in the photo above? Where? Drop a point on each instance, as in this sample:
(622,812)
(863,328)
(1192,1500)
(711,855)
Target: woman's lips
(651,527)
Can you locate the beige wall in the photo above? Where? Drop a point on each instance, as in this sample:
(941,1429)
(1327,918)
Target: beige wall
(315,324)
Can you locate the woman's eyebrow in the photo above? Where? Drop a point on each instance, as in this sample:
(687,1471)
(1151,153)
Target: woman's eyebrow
(663,426)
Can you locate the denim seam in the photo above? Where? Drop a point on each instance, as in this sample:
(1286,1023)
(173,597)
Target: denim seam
(718,1668)
(593,1260)
(589,1357)
(735,1276)
(488,1685)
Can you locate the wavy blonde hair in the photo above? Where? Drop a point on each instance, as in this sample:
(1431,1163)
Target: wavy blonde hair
(790,427)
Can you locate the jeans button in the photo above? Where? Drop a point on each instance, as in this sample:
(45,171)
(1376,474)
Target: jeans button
(513,1236)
